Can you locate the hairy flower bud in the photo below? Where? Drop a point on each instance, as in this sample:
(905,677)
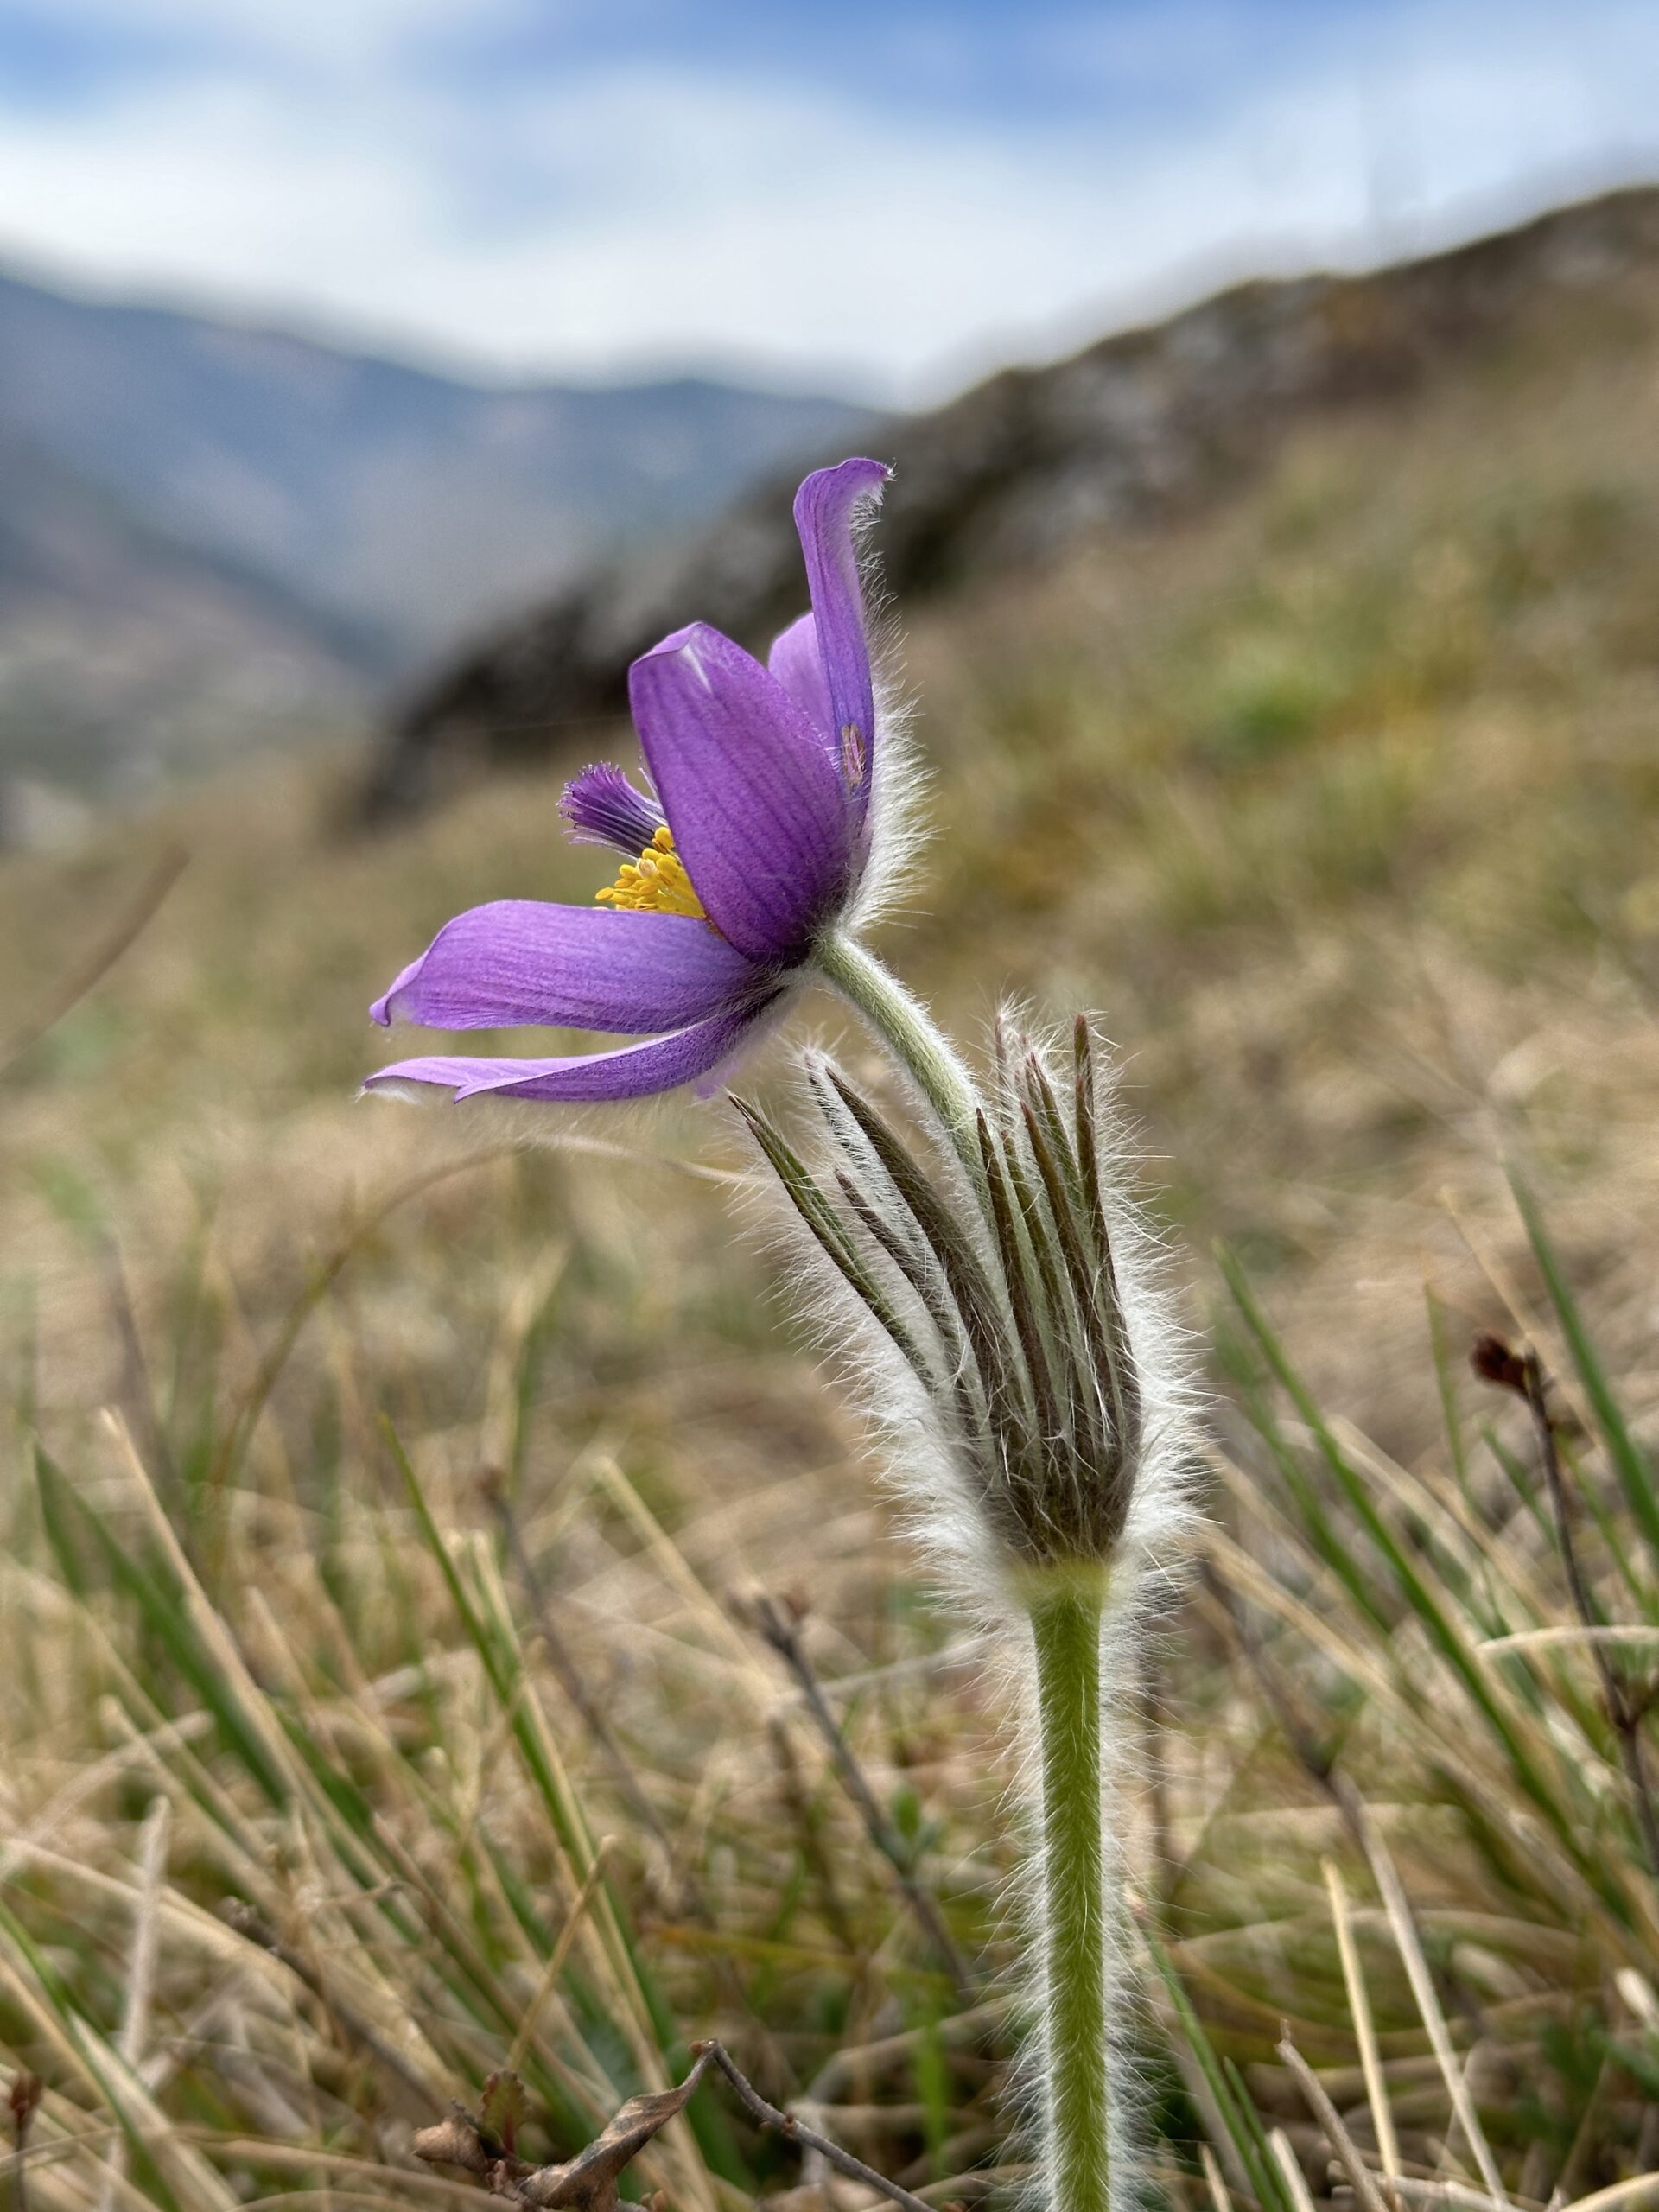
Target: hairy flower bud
(1035,1355)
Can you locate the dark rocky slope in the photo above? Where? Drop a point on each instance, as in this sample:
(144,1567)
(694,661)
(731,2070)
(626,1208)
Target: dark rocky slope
(1141,427)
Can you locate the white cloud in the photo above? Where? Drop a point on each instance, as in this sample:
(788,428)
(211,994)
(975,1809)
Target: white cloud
(645,214)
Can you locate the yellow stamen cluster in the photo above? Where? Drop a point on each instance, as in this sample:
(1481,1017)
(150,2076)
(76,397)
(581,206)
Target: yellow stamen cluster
(656,883)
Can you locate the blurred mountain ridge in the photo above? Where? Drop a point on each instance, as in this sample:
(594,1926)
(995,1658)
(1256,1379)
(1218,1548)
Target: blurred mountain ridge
(128,655)
(228,513)
(1138,430)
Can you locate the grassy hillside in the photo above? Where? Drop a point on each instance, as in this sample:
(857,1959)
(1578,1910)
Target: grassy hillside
(1340,805)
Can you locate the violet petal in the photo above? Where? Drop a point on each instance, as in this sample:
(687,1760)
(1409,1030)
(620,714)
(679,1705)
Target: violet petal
(825,507)
(797,664)
(518,961)
(766,1018)
(634,1071)
(759,814)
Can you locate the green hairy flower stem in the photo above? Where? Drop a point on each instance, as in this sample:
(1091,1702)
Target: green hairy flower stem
(1065,1624)
(1064,1604)
(910,1034)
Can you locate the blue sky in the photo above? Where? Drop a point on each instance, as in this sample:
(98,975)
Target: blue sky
(878,194)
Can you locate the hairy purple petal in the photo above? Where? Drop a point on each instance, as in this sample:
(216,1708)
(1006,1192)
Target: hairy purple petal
(579,967)
(825,507)
(634,1071)
(602,807)
(797,664)
(759,814)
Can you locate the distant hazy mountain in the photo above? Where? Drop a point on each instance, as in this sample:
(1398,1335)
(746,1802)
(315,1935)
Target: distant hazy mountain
(406,502)
(1144,428)
(202,504)
(125,655)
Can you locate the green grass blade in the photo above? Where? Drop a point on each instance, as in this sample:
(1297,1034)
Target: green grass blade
(1227,2092)
(1630,1462)
(1447,1637)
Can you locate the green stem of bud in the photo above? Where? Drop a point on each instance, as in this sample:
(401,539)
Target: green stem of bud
(912,1035)
(1065,1627)
(1065,1609)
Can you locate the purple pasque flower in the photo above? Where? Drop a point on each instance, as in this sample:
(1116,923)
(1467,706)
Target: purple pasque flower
(752,843)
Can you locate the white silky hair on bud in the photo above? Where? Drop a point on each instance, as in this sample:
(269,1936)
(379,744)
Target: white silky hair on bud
(1161,1510)
(921,1456)
(878,1184)
(913,1456)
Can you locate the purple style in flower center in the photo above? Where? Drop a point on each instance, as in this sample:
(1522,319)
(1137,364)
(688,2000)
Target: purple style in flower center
(601,807)
(752,843)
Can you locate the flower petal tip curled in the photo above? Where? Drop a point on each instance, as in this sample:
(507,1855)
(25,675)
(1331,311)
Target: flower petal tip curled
(385,1006)
(828,507)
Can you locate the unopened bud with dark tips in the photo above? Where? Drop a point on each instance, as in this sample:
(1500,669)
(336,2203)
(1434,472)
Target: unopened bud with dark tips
(1494,1362)
(1038,1362)
(22,2100)
(1523,1373)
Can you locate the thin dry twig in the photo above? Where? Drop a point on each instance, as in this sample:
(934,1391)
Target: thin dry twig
(1212,2175)
(1360,2179)
(1290,2170)
(563,1661)
(1523,1373)
(779,1625)
(1418,2191)
(782,2123)
(27,2090)
(587,2182)
(1576,1634)
(1638,2188)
